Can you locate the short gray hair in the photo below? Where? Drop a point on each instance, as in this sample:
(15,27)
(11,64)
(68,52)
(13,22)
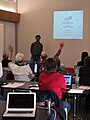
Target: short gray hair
(19,57)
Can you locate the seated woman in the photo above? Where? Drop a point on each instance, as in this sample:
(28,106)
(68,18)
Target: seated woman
(51,80)
(7,57)
(20,71)
(83,55)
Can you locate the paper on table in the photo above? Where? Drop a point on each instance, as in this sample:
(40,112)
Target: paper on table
(75,91)
(14,85)
(84,87)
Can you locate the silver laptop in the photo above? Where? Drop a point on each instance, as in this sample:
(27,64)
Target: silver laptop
(20,104)
(76,69)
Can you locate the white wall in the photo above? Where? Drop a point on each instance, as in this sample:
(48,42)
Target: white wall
(1,39)
(37,18)
(7,29)
(8,5)
(9,37)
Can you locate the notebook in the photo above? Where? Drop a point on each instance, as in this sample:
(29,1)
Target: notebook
(68,78)
(20,104)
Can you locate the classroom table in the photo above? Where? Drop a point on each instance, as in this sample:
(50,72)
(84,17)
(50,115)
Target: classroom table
(14,86)
(75,92)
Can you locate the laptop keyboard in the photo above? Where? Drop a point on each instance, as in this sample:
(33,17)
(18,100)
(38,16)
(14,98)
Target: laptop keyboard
(20,112)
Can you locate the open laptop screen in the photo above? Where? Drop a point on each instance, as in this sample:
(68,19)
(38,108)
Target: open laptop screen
(21,101)
(68,78)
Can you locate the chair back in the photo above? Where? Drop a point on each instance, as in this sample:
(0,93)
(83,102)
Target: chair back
(4,77)
(84,80)
(43,95)
(70,70)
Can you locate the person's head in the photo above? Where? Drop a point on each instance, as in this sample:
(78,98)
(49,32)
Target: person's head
(43,55)
(50,65)
(83,55)
(37,37)
(87,61)
(5,56)
(19,58)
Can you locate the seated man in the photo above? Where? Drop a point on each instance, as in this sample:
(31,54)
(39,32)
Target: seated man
(44,56)
(51,80)
(20,71)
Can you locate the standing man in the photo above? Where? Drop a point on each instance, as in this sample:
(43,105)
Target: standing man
(36,49)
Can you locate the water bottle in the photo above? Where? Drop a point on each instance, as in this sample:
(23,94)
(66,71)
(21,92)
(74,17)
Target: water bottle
(48,105)
(77,80)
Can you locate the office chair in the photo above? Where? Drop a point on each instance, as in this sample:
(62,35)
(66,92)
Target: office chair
(70,70)
(2,98)
(84,80)
(43,95)
(4,77)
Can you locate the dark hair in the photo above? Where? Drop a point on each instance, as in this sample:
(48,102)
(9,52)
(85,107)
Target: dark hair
(84,54)
(50,64)
(38,36)
(5,56)
(87,61)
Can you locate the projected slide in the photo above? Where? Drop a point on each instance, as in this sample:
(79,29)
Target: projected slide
(68,25)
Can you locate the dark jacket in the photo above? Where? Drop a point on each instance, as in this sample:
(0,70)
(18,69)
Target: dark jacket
(80,63)
(36,48)
(5,62)
(48,94)
(84,74)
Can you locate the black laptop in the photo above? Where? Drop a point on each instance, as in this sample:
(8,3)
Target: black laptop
(68,78)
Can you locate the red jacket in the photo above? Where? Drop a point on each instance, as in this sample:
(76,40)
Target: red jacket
(52,81)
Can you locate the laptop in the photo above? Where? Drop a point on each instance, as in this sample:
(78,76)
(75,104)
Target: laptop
(68,78)
(76,69)
(27,63)
(20,104)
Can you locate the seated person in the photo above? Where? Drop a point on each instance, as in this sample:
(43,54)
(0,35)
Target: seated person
(44,56)
(59,68)
(20,71)
(83,55)
(51,80)
(43,60)
(7,57)
(84,72)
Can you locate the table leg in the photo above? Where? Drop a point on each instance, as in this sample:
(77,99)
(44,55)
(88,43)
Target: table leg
(74,106)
